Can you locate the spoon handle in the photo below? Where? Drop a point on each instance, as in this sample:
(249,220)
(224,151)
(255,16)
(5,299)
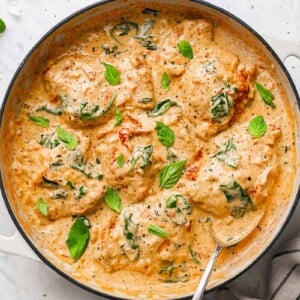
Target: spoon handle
(205,277)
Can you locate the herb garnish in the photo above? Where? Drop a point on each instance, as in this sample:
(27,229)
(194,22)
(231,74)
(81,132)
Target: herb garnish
(118,117)
(165,81)
(185,49)
(257,127)
(265,94)
(234,192)
(178,208)
(2,26)
(226,154)
(123,29)
(113,199)
(42,206)
(131,250)
(220,106)
(161,107)
(78,237)
(112,75)
(165,134)
(141,155)
(170,174)
(39,120)
(121,160)
(69,141)
(194,255)
(158,231)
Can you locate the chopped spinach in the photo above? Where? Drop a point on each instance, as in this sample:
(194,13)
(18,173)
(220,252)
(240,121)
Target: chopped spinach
(81,192)
(227,154)
(193,255)
(59,194)
(235,193)
(141,157)
(161,107)
(220,106)
(54,111)
(49,140)
(123,29)
(150,11)
(131,249)
(178,208)
(49,183)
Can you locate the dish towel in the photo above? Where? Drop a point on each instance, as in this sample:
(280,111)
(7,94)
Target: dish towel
(279,281)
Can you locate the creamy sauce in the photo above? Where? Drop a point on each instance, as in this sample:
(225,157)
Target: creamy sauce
(128,156)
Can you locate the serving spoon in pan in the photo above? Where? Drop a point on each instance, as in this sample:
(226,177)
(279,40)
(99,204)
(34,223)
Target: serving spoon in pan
(222,234)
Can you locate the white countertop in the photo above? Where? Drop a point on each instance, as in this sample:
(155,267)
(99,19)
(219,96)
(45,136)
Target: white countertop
(27,21)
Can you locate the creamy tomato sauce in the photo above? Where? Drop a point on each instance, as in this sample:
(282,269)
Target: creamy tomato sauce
(142,125)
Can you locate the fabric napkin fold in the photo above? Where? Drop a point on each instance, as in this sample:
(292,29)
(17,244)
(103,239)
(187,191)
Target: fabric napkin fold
(279,281)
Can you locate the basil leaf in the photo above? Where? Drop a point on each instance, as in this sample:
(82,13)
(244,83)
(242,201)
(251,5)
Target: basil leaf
(220,106)
(170,174)
(185,49)
(123,29)
(39,120)
(67,138)
(113,199)
(118,118)
(131,250)
(2,26)
(78,237)
(142,155)
(258,127)
(112,75)
(226,154)
(235,193)
(150,11)
(42,206)
(265,94)
(158,231)
(121,160)
(165,134)
(165,81)
(161,107)
(178,208)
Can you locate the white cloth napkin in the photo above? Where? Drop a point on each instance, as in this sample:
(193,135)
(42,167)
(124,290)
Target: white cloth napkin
(279,281)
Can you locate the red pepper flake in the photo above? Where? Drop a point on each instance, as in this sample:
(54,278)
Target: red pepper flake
(198,155)
(192,172)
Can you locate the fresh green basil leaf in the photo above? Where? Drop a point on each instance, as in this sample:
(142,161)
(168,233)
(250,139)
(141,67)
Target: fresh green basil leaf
(161,107)
(78,237)
(258,127)
(121,160)
(165,134)
(150,11)
(178,208)
(112,75)
(39,120)
(220,106)
(158,231)
(170,174)
(123,29)
(69,141)
(234,193)
(113,199)
(265,94)
(2,26)
(165,81)
(227,154)
(185,49)
(42,206)
(118,118)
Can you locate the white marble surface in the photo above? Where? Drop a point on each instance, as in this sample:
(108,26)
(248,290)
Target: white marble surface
(27,20)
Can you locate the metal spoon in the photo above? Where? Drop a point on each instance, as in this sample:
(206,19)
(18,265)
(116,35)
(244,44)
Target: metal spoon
(221,233)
